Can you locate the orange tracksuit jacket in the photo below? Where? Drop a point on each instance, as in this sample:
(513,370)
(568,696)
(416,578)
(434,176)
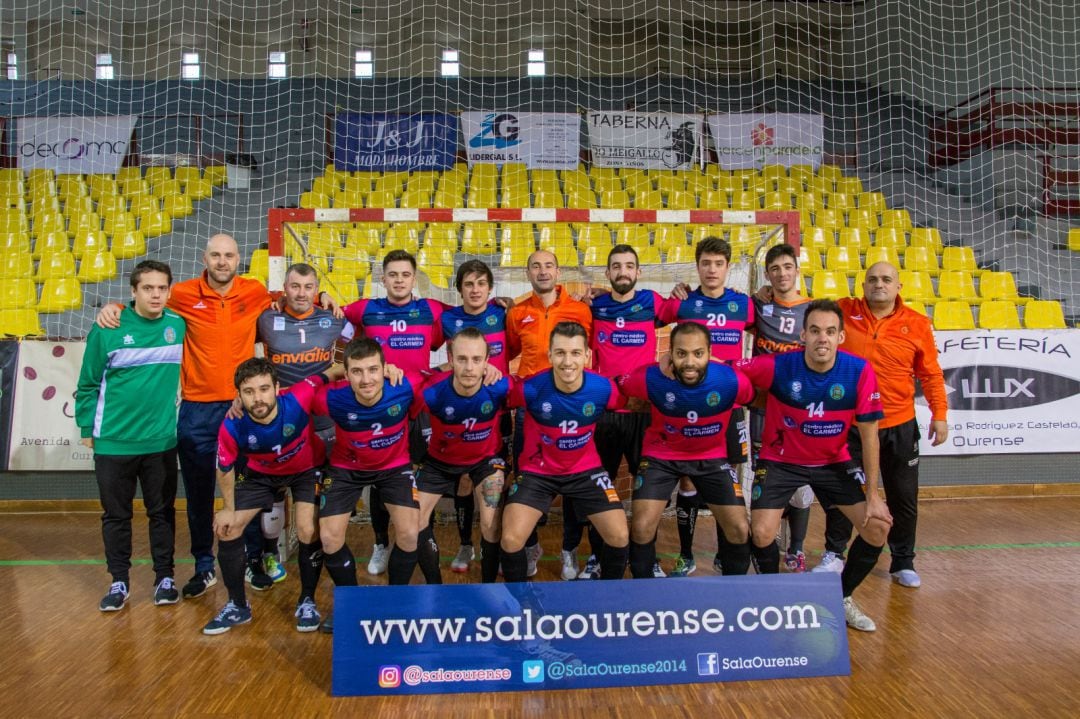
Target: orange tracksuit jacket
(529,325)
(900,347)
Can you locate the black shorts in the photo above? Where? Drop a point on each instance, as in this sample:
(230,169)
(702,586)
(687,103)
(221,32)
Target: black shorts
(341,488)
(435,477)
(254,490)
(842,484)
(592,492)
(618,435)
(419,434)
(715,480)
(738,437)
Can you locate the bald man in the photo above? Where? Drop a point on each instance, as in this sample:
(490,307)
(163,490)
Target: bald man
(899,344)
(221,310)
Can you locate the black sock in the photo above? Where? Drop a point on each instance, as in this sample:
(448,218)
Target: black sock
(596,542)
(798,519)
(427,552)
(399,569)
(571,528)
(270,546)
(515,566)
(380,518)
(686,509)
(860,561)
(721,544)
(231,557)
(735,558)
(465,509)
(311,561)
(489,561)
(642,559)
(533,539)
(613,562)
(341,566)
(767,559)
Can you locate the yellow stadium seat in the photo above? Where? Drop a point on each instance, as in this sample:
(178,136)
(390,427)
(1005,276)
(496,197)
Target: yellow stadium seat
(998,286)
(478,198)
(177,205)
(326,185)
(681,200)
(890,237)
(187,173)
(513,198)
(517,235)
(514,256)
(314,200)
(820,238)
(97,267)
(15,263)
(354,267)
(648,255)
(776,201)
(55,264)
(842,259)
(862,217)
(120,222)
(953,315)
(849,185)
(828,218)
(215,174)
(111,204)
(56,241)
(260,263)
(88,241)
(809,201)
(1044,315)
(342,287)
(617,199)
(667,236)
(895,218)
(855,238)
(831,285)
(921,259)
(678,253)
(594,235)
(809,260)
(441,234)
(144,204)
(916,286)
(567,256)
(20,323)
(128,173)
(881,254)
(15,242)
(839,201)
(744,239)
(126,245)
(595,257)
(45,204)
(872,201)
(166,188)
(555,235)
(743,200)
(402,236)
(103,186)
(155,224)
(959,258)
(956,285)
(637,236)
(14,221)
(919,307)
(478,238)
(199,189)
(998,315)
(134,187)
(60,295)
(1074,239)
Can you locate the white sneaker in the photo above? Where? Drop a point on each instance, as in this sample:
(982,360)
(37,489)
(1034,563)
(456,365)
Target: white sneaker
(380,556)
(569,566)
(592,568)
(533,554)
(907,578)
(830,562)
(855,617)
(657,571)
(465,554)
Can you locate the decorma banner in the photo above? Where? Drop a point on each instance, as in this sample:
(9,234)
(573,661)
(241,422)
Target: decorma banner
(392,141)
(43,431)
(74,145)
(548,141)
(576,635)
(1010,392)
(654,141)
(755,140)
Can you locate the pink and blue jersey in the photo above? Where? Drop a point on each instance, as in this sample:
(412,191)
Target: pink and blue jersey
(726,318)
(369,438)
(559,426)
(408,333)
(624,333)
(287,445)
(688,422)
(491,323)
(808,414)
(464,430)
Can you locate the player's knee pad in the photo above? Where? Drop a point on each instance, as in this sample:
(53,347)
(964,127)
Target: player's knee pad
(803,497)
(274,520)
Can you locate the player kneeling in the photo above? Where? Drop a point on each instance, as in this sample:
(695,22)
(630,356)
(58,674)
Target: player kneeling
(277,439)
(465,439)
(815,395)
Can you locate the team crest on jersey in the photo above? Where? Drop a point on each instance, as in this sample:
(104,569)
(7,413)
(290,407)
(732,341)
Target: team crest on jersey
(603,310)
(733,306)
(796,389)
(394,410)
(352,417)
(458,323)
(836,392)
(545,409)
(170,335)
(789,423)
(545,439)
(669,428)
(449,411)
(767,310)
(324,322)
(698,304)
(490,320)
(253,441)
(288,430)
(381,340)
(486,407)
(712,399)
(669,400)
(588,409)
(636,308)
(601,337)
(413,314)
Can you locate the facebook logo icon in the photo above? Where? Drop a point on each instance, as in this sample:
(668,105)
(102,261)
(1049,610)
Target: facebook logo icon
(708,664)
(532,671)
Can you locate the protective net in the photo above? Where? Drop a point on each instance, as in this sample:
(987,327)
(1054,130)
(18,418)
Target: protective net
(941,137)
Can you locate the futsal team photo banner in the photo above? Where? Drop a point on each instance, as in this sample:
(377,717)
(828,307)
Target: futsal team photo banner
(73,145)
(745,141)
(644,140)
(458,638)
(540,140)
(390,141)
(1009,391)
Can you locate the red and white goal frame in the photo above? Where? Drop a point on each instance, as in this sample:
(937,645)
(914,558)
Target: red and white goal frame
(787,220)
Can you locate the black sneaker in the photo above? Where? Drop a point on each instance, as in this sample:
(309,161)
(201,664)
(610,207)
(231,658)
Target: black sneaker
(256,575)
(114,600)
(165,592)
(327,626)
(197,585)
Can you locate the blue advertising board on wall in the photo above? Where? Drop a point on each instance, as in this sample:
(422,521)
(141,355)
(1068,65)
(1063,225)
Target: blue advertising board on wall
(575,635)
(391,141)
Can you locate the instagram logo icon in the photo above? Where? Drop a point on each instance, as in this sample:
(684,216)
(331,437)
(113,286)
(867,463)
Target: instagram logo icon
(389,676)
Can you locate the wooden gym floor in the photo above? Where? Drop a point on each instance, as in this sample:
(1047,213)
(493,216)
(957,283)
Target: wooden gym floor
(994,631)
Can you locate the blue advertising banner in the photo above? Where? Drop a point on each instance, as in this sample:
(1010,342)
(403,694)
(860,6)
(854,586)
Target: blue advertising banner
(394,141)
(576,635)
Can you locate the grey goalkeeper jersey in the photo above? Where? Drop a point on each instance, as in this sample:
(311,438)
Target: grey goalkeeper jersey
(300,347)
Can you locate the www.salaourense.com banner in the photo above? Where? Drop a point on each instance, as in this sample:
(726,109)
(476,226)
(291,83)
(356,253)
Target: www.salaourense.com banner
(576,635)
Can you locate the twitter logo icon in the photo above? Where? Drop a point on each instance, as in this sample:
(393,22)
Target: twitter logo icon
(532,671)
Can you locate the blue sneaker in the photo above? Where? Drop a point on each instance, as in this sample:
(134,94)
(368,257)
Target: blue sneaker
(115,599)
(274,570)
(230,616)
(683,567)
(307,616)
